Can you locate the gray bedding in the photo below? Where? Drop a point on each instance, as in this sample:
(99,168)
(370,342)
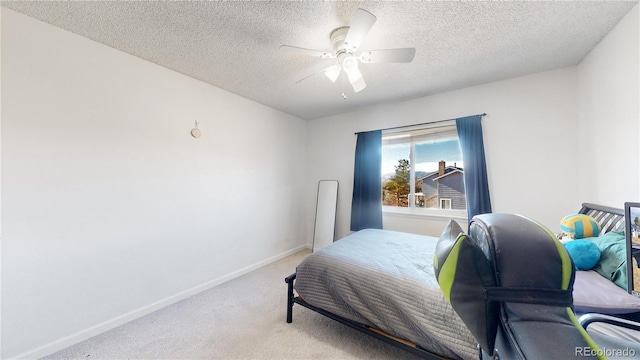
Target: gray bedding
(385,279)
(593,292)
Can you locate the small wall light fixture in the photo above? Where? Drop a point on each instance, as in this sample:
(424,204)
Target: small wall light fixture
(195,132)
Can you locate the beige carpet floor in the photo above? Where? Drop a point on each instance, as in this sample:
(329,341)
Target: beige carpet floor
(241,319)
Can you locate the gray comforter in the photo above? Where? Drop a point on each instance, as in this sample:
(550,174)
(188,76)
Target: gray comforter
(385,279)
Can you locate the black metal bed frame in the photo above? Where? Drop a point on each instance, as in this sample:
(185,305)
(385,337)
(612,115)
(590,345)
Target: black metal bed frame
(376,333)
(610,218)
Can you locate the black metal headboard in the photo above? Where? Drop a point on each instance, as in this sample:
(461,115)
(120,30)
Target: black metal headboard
(610,218)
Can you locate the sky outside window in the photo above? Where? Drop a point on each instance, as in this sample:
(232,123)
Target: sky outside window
(428,154)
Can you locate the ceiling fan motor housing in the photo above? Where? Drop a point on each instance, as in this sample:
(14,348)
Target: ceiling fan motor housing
(339,48)
(337,40)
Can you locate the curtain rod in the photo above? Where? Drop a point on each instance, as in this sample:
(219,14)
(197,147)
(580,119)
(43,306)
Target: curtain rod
(424,123)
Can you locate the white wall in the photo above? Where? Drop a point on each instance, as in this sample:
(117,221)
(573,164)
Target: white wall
(609,117)
(526,145)
(110,208)
(553,140)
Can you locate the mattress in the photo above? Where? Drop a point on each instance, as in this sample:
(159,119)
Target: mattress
(593,292)
(385,279)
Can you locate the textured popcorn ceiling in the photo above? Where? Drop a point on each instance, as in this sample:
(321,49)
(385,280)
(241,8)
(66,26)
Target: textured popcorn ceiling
(234,44)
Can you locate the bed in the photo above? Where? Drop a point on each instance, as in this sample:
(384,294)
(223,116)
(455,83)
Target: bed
(601,290)
(382,283)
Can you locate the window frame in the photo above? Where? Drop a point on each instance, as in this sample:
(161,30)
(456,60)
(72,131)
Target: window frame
(445,200)
(411,135)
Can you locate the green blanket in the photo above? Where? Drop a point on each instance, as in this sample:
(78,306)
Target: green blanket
(613,257)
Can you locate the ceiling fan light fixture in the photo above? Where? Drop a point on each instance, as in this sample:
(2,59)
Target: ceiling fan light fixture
(349,63)
(333,72)
(357,82)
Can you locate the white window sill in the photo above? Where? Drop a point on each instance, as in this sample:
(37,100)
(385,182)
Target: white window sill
(435,214)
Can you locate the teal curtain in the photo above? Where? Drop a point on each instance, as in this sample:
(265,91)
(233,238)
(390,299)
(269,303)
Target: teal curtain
(366,203)
(476,184)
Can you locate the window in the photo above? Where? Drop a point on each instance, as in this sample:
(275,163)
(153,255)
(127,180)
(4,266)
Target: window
(422,168)
(445,203)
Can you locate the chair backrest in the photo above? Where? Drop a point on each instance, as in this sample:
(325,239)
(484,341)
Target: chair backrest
(511,281)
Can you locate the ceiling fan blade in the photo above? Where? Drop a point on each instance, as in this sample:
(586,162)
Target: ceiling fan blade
(356,79)
(359,27)
(332,72)
(404,55)
(303,51)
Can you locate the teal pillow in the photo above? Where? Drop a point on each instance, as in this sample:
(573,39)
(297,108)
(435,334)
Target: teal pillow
(585,254)
(613,257)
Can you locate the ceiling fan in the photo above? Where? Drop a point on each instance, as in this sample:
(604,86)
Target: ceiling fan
(345,44)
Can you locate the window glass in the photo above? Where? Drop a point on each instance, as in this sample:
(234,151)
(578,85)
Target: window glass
(395,174)
(445,203)
(423,168)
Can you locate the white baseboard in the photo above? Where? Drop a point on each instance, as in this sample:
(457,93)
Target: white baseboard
(92,331)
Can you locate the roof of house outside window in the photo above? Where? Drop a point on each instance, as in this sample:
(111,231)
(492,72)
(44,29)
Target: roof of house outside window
(449,170)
